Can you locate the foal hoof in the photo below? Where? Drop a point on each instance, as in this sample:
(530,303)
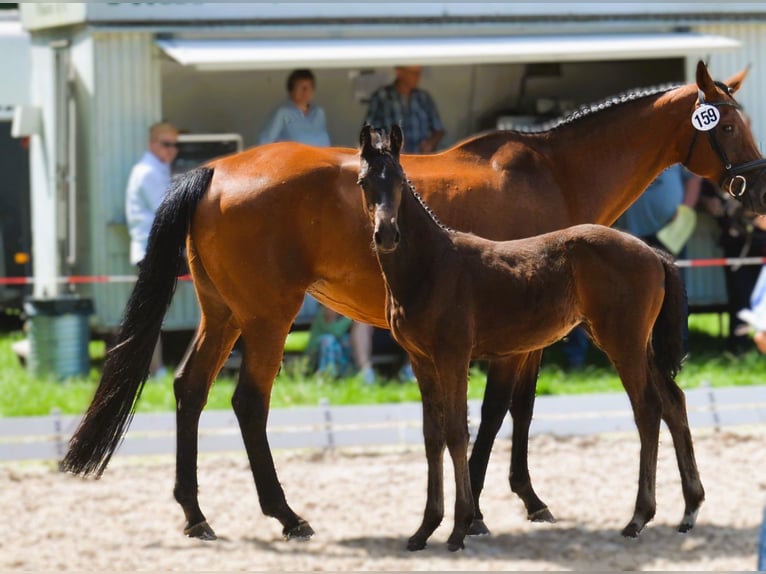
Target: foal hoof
(688,522)
(415,544)
(542,515)
(478,528)
(302,531)
(632,530)
(200,530)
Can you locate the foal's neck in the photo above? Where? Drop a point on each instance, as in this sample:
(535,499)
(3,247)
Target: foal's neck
(411,269)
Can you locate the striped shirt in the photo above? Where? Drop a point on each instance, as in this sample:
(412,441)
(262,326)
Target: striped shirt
(417,115)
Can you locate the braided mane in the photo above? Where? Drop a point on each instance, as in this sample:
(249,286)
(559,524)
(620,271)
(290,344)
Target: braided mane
(590,109)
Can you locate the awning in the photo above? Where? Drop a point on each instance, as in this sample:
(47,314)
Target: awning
(239,54)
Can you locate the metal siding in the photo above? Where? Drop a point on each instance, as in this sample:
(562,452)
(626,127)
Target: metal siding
(724,65)
(124,101)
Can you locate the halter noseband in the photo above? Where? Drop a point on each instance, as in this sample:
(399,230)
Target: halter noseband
(732,172)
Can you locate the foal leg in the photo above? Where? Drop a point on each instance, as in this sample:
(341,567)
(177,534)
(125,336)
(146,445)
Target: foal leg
(647,409)
(434,438)
(204,358)
(674,415)
(263,343)
(456,425)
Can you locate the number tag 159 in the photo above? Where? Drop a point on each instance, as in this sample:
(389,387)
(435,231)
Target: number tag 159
(706,117)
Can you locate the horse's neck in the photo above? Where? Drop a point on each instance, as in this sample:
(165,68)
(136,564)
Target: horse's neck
(411,268)
(621,152)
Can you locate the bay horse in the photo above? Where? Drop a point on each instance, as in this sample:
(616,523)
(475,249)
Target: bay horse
(452,297)
(266,225)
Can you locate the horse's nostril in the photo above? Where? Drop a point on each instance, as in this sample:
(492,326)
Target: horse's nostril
(397,236)
(376,237)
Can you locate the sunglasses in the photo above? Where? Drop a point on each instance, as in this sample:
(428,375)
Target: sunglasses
(168,144)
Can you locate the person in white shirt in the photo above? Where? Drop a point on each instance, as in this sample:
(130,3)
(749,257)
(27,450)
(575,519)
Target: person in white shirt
(147,185)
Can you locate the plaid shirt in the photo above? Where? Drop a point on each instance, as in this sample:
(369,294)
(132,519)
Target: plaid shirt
(417,117)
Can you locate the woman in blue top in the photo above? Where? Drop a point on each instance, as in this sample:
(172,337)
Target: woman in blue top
(297,119)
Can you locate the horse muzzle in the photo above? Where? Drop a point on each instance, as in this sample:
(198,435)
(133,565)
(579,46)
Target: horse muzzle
(749,188)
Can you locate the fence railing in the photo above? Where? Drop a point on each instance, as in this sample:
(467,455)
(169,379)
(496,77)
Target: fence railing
(326,426)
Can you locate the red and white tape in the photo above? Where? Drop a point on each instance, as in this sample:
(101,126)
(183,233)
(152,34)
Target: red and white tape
(82,279)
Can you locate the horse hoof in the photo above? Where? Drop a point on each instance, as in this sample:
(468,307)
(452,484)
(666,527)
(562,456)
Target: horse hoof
(542,515)
(415,544)
(632,530)
(478,528)
(200,530)
(455,546)
(302,531)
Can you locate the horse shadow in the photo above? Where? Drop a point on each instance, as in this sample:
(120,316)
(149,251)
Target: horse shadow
(581,548)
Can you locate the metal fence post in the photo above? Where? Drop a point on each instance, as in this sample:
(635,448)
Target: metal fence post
(325,405)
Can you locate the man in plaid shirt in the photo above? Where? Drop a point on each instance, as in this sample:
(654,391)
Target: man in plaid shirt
(413,109)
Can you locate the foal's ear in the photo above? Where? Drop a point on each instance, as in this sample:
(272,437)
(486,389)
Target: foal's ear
(397,138)
(365,138)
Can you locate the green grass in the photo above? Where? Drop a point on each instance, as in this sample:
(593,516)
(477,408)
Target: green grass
(23,395)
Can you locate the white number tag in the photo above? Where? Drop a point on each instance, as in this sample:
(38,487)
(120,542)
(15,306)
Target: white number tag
(706,117)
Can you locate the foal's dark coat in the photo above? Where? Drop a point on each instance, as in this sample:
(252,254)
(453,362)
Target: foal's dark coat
(452,296)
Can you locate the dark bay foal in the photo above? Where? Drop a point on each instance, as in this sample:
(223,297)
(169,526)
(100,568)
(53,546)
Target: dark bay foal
(454,296)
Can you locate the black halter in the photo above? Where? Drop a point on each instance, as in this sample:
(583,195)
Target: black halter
(731,172)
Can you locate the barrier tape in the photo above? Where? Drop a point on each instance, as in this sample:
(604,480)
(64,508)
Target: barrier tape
(82,279)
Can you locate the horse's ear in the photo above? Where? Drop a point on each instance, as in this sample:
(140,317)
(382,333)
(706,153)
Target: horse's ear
(397,138)
(735,82)
(704,82)
(365,138)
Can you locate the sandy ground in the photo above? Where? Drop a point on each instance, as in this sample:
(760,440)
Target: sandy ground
(364,505)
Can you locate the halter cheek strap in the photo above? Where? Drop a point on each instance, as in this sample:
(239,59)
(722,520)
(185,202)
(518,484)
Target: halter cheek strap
(737,182)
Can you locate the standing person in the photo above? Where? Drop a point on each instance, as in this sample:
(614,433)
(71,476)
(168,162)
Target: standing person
(403,103)
(743,234)
(298,118)
(148,182)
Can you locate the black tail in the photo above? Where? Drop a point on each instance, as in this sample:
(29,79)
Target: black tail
(669,330)
(127,363)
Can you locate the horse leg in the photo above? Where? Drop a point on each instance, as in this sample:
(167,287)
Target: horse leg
(434,438)
(647,409)
(263,346)
(497,400)
(204,358)
(522,405)
(456,427)
(674,415)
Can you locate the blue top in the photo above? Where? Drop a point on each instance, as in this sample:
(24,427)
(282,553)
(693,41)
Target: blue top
(289,124)
(417,115)
(657,205)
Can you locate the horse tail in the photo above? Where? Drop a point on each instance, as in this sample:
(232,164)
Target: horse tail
(669,329)
(127,364)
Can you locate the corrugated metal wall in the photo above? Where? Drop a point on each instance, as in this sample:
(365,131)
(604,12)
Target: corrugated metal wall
(723,65)
(119,98)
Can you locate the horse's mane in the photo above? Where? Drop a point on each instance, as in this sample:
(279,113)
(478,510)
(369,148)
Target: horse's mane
(593,108)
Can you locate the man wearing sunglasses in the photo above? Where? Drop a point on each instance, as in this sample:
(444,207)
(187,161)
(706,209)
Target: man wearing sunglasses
(148,182)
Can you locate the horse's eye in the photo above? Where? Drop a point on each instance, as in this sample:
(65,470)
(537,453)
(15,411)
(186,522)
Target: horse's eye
(728,128)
